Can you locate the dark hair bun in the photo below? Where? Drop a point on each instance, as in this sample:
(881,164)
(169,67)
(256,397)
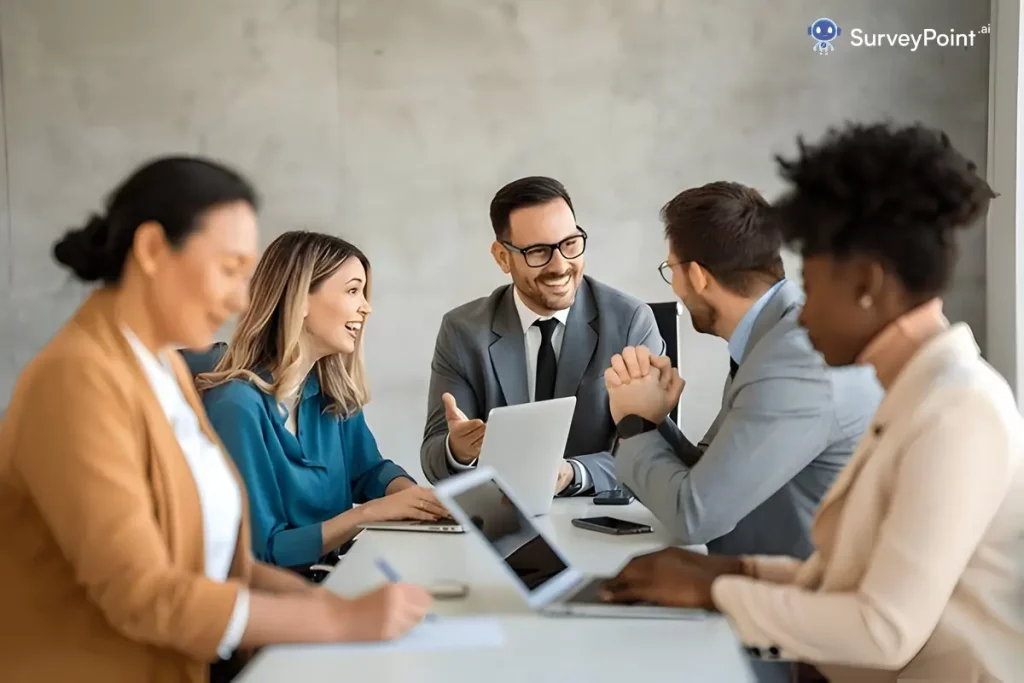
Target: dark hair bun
(86,252)
(172,192)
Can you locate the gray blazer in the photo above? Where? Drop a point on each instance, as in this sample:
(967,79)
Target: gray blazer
(787,426)
(480,358)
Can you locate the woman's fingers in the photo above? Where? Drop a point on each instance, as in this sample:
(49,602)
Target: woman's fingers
(427,501)
(418,513)
(435,509)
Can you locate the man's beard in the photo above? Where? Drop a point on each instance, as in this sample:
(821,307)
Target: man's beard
(704,318)
(554,302)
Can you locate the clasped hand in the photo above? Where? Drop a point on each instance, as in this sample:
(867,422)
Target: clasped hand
(641,384)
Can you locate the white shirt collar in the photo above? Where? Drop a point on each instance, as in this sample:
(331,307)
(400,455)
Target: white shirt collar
(163,381)
(527,317)
(741,335)
(150,361)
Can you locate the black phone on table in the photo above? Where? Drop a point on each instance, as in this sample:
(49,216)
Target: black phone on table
(618,496)
(611,525)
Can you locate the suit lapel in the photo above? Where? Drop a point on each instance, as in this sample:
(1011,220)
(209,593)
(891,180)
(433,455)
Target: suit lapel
(787,296)
(167,461)
(177,507)
(578,343)
(508,351)
(905,393)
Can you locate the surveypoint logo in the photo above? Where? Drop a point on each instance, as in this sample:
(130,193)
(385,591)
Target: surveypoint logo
(929,37)
(824,31)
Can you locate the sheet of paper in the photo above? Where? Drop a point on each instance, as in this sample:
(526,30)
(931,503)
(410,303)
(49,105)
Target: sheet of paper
(443,633)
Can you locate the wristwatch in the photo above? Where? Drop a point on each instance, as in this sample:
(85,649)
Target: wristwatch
(634,425)
(576,485)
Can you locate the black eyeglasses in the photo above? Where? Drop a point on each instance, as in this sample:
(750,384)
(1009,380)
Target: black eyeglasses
(665,269)
(539,255)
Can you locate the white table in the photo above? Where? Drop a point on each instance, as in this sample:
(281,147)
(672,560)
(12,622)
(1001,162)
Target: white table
(535,648)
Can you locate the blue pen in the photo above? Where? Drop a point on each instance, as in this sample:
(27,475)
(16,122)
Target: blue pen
(391,575)
(386,569)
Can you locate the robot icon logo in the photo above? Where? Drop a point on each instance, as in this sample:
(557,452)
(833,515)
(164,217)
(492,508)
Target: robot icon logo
(824,31)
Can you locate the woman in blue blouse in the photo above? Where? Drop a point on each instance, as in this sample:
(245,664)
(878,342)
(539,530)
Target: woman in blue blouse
(287,397)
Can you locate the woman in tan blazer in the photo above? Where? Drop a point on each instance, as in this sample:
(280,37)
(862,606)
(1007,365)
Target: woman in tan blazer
(918,564)
(125,534)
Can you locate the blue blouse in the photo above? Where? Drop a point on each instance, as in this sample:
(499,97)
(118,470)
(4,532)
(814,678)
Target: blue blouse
(296,482)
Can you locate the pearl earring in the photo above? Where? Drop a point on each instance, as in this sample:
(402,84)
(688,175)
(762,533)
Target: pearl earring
(865,302)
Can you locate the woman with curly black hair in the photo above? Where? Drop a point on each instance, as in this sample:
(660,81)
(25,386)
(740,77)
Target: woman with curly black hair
(917,570)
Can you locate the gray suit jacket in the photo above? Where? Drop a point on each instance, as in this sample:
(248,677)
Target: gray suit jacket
(480,358)
(787,426)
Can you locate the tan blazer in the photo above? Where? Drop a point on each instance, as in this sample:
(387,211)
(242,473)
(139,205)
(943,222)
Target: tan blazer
(101,536)
(917,573)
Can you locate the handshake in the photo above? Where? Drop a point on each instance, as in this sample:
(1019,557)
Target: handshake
(642,384)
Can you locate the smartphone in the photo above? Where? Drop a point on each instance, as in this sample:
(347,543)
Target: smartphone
(448,590)
(619,496)
(611,525)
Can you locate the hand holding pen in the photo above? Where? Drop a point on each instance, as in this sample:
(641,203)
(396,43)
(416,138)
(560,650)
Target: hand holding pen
(391,575)
(388,612)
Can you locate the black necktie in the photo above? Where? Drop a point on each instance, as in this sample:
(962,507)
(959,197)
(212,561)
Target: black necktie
(546,363)
(733,367)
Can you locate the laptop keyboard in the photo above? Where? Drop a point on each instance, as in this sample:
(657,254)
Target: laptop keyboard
(590,594)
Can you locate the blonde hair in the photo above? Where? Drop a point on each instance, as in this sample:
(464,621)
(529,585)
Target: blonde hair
(269,333)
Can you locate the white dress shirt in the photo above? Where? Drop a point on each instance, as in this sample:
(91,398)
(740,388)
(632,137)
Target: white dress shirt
(532,340)
(219,494)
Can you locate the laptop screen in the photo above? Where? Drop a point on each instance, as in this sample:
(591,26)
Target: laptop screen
(511,533)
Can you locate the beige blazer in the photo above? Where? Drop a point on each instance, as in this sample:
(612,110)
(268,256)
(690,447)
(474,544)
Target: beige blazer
(917,573)
(101,536)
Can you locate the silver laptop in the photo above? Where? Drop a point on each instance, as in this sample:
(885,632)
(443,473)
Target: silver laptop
(490,511)
(442,526)
(525,445)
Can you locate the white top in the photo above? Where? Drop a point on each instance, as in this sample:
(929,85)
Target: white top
(289,407)
(918,571)
(219,494)
(532,339)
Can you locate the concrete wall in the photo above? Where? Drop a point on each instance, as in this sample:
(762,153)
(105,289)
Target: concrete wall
(393,122)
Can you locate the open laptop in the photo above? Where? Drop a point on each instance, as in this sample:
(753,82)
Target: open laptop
(490,511)
(523,443)
(441,526)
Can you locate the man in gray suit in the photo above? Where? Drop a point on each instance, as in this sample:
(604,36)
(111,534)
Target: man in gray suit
(550,334)
(788,423)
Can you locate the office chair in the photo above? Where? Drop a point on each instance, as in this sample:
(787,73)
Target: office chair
(666,315)
(200,361)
